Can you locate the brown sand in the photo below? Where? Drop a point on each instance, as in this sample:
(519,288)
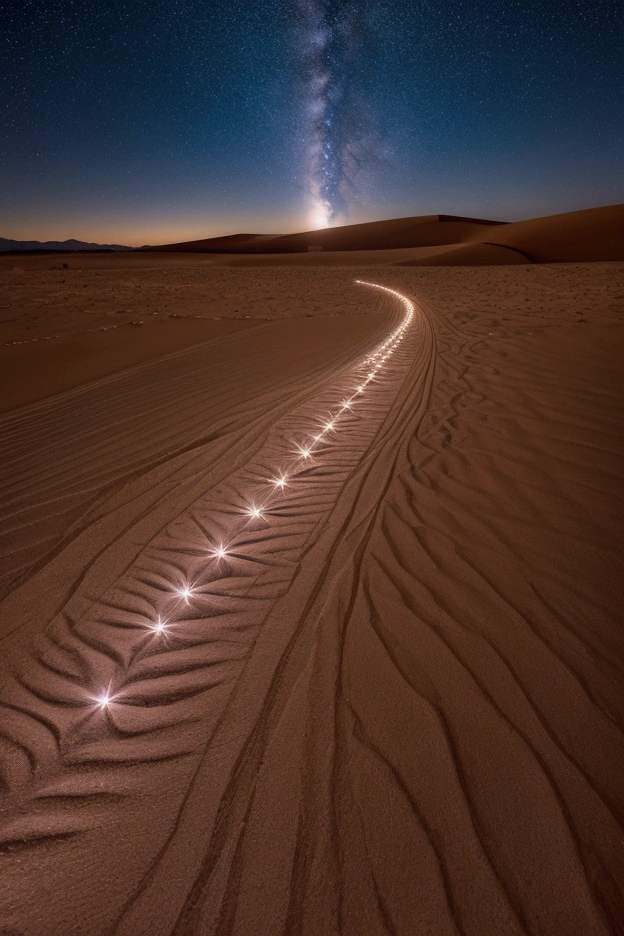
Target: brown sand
(596,234)
(397,706)
(425,231)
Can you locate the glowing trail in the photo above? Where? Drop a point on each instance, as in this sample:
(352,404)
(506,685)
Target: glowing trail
(374,362)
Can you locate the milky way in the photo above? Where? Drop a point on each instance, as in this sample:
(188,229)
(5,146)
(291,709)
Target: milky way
(332,45)
(151,121)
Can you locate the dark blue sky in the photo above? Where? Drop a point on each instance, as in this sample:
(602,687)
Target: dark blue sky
(141,121)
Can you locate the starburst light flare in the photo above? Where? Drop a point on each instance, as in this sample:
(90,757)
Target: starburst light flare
(158,626)
(104,699)
(218,552)
(186,592)
(256,513)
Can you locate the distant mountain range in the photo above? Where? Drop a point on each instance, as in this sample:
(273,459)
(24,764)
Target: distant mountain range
(7,245)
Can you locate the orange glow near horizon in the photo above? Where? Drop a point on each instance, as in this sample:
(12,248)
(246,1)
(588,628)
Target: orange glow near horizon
(117,228)
(139,233)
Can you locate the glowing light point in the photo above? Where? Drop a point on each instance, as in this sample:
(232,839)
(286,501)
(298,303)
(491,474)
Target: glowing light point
(281,482)
(255,512)
(219,552)
(104,700)
(346,404)
(329,425)
(158,626)
(186,592)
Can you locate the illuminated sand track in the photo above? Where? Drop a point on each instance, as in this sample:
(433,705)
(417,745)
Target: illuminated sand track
(335,648)
(155,669)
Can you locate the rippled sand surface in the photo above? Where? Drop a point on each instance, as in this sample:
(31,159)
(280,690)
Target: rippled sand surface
(383,696)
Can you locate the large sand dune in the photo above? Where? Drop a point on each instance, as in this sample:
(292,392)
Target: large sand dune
(395,705)
(425,231)
(593,234)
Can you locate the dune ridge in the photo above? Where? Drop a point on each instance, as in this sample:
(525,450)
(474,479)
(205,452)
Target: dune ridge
(595,234)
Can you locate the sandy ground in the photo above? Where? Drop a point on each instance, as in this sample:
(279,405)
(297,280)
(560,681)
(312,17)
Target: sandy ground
(594,234)
(395,705)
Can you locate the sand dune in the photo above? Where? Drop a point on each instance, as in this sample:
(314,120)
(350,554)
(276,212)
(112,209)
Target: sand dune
(395,704)
(590,235)
(471,254)
(430,231)
(231,242)
(594,234)
(425,231)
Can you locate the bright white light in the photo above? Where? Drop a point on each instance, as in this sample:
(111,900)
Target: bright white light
(329,426)
(104,699)
(319,217)
(158,626)
(280,482)
(185,591)
(346,404)
(255,512)
(219,552)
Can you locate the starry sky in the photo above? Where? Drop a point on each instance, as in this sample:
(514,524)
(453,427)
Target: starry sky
(153,121)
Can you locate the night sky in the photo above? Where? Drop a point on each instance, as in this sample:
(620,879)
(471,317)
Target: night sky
(151,121)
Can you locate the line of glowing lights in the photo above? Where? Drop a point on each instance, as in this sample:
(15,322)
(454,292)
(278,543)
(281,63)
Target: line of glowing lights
(372,363)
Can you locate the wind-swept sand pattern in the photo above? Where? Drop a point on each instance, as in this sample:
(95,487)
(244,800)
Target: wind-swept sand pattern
(316,660)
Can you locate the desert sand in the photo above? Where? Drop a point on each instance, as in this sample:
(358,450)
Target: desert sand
(283,657)
(592,234)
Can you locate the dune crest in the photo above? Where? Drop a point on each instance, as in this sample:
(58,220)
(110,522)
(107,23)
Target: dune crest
(595,234)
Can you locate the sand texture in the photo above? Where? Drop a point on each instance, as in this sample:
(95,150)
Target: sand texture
(311,621)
